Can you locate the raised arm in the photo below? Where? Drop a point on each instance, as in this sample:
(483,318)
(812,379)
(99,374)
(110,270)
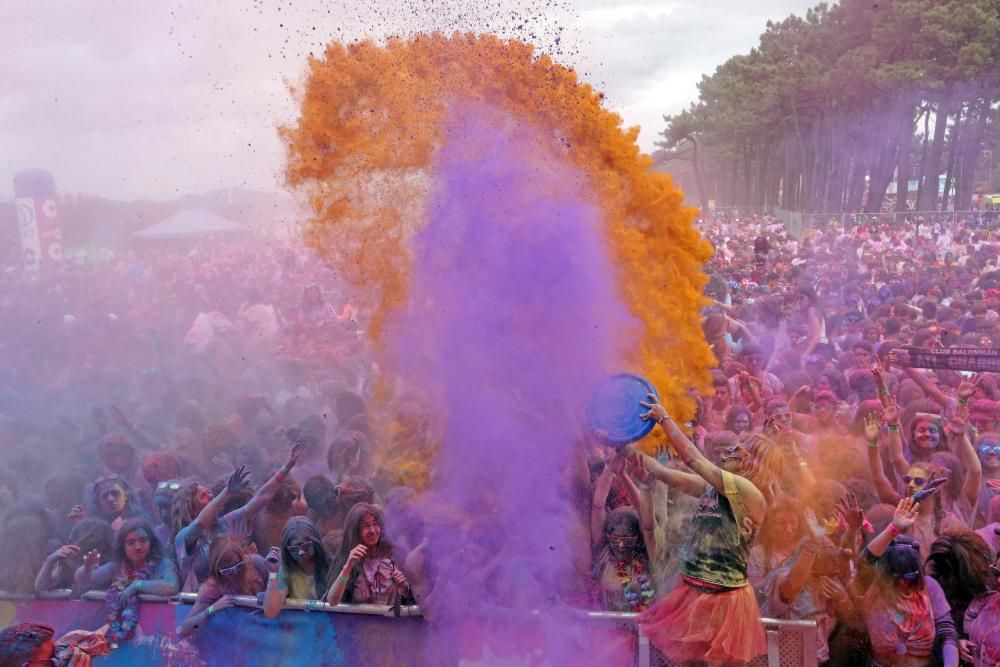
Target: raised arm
(902,520)
(895,441)
(929,388)
(753,499)
(883,487)
(801,569)
(267,490)
(639,484)
(188,535)
(958,436)
(602,487)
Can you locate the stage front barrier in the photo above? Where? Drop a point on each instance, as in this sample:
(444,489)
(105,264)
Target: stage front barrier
(314,633)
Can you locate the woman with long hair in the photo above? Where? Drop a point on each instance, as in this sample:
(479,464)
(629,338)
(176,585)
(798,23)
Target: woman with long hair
(625,538)
(113,499)
(924,478)
(960,561)
(367,566)
(59,569)
(305,567)
(138,567)
(906,612)
(234,571)
(197,521)
(713,616)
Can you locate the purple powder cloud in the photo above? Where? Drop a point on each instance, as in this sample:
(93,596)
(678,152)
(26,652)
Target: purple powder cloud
(513,319)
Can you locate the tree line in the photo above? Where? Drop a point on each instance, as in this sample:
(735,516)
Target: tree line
(831,108)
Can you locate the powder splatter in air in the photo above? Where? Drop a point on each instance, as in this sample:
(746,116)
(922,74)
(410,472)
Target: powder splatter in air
(374,119)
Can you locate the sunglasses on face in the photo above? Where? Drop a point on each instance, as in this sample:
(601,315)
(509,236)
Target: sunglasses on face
(173,486)
(624,539)
(986,450)
(232,569)
(299,550)
(919,481)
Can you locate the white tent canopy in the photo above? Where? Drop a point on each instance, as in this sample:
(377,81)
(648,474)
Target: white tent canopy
(190,223)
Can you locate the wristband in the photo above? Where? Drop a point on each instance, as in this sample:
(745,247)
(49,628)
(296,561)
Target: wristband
(272,576)
(873,444)
(894,428)
(211,609)
(285,470)
(662,419)
(895,532)
(963,402)
(341,579)
(884,391)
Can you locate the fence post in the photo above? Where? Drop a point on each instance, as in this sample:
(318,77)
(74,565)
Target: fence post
(643,647)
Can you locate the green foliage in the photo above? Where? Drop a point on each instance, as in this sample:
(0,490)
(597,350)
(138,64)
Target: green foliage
(829,101)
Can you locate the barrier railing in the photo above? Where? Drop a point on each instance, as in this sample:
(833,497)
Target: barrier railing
(790,643)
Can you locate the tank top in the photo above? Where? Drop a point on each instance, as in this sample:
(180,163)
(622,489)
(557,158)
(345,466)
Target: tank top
(719,541)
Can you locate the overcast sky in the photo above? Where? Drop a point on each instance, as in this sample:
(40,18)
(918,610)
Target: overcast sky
(141,99)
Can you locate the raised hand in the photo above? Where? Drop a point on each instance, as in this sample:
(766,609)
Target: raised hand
(816,530)
(955,426)
(850,509)
(873,426)
(92,559)
(969,386)
(237,480)
(616,464)
(905,515)
(293,455)
(891,413)
(635,466)
(656,411)
(75,514)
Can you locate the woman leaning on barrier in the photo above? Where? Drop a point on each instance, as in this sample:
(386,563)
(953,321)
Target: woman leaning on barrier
(233,571)
(305,567)
(59,569)
(367,565)
(139,567)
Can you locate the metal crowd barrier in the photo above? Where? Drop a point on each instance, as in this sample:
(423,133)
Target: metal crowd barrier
(789,643)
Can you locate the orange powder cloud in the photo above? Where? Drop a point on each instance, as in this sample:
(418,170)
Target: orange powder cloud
(371,122)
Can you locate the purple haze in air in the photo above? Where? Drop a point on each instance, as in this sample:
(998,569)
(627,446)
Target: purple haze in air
(514,317)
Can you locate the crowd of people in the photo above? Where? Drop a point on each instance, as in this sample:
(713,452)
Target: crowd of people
(202,421)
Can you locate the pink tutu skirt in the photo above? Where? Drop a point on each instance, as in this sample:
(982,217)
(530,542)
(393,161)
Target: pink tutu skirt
(717,628)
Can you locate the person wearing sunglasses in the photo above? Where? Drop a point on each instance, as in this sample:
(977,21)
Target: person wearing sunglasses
(919,478)
(304,571)
(234,571)
(988,450)
(906,612)
(195,517)
(714,616)
(622,567)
